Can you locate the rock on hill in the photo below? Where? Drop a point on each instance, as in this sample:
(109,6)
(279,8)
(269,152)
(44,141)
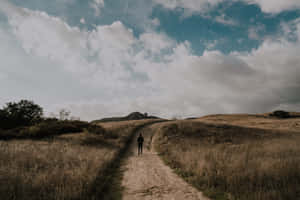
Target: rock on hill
(131,116)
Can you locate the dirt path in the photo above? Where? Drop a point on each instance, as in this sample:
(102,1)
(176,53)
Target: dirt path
(147,177)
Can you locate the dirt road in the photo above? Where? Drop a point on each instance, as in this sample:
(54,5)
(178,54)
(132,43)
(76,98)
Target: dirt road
(147,177)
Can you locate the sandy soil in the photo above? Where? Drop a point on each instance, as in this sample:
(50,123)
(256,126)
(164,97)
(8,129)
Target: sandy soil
(147,177)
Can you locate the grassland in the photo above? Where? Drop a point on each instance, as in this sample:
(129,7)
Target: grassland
(262,121)
(66,166)
(235,156)
(50,169)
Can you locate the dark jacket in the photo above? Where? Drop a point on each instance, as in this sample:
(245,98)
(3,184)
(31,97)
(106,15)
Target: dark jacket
(140,140)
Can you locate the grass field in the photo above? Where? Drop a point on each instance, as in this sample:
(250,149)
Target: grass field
(255,121)
(235,157)
(50,169)
(68,166)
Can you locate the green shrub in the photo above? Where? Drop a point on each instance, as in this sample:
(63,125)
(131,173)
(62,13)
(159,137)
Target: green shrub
(22,113)
(45,129)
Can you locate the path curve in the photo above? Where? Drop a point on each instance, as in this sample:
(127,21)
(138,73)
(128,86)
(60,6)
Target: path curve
(146,177)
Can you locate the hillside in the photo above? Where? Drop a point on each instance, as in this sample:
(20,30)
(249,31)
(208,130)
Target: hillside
(237,156)
(262,121)
(226,157)
(51,163)
(131,116)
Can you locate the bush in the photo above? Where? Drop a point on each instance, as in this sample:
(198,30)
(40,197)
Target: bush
(22,113)
(45,129)
(95,129)
(4,121)
(99,130)
(281,114)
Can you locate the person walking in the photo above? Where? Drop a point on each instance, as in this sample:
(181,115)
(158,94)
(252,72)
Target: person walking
(140,141)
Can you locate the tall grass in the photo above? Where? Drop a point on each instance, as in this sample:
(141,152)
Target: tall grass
(48,169)
(65,166)
(229,162)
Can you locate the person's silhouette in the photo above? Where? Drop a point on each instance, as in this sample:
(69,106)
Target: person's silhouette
(140,141)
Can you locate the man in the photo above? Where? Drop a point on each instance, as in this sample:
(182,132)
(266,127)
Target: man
(140,141)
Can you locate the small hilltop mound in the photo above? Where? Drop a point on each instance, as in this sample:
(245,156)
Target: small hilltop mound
(284,114)
(131,116)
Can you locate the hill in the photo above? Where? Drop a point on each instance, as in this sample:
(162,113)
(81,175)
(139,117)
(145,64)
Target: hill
(131,116)
(236,156)
(273,121)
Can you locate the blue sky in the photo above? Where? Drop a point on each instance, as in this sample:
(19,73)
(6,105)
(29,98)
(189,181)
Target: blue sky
(166,57)
(197,28)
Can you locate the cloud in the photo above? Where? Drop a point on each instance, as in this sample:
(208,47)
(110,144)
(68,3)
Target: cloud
(201,6)
(211,44)
(291,29)
(97,5)
(155,22)
(110,71)
(271,6)
(155,42)
(254,32)
(189,6)
(82,21)
(30,77)
(225,20)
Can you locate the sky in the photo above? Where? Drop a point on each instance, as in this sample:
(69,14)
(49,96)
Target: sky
(170,58)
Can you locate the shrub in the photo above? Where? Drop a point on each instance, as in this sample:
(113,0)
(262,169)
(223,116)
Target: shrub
(22,113)
(99,130)
(45,129)
(281,114)
(95,129)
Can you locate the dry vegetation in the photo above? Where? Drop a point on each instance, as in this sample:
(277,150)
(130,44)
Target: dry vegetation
(235,162)
(69,166)
(47,169)
(255,121)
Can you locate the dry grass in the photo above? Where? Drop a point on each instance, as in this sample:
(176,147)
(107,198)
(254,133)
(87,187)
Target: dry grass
(254,121)
(54,169)
(69,166)
(120,125)
(229,162)
(123,129)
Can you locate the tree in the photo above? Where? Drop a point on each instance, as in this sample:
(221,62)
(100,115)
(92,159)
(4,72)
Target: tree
(3,119)
(22,113)
(64,114)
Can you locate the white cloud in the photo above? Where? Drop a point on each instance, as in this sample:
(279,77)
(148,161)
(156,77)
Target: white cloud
(225,20)
(271,6)
(155,22)
(155,42)
(291,29)
(254,31)
(97,5)
(82,21)
(200,6)
(212,44)
(189,6)
(108,71)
